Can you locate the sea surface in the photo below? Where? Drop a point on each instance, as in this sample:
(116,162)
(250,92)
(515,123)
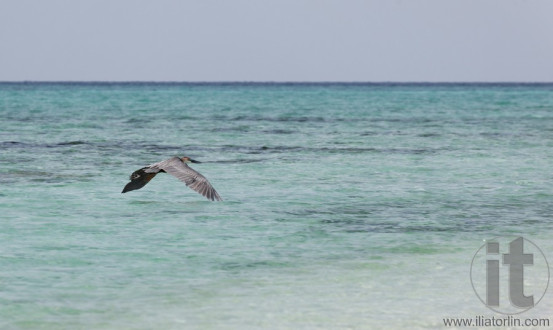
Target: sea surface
(346,206)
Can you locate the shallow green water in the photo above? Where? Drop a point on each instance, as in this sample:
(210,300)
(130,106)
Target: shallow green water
(345,205)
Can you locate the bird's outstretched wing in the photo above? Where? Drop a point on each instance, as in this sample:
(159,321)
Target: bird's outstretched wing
(177,168)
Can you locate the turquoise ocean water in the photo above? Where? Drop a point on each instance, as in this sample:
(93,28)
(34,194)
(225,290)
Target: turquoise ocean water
(345,205)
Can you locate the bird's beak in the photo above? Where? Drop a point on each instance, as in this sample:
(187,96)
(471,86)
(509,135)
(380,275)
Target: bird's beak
(194,161)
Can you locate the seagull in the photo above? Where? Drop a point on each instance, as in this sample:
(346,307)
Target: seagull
(177,167)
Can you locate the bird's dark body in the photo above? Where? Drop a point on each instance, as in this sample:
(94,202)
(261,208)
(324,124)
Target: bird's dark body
(139,179)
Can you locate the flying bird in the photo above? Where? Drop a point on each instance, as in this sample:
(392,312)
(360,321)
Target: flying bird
(178,168)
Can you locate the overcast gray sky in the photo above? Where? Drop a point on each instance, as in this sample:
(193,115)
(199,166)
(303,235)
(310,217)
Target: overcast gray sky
(270,40)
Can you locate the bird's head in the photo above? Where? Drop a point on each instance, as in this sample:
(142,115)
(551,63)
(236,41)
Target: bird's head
(189,160)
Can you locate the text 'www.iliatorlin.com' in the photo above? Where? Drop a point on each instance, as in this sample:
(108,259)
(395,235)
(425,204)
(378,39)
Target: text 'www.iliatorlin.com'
(507,321)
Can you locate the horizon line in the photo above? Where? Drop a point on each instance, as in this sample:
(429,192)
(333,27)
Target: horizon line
(275,82)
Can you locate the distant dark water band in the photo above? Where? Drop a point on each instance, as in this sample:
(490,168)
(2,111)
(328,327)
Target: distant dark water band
(122,145)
